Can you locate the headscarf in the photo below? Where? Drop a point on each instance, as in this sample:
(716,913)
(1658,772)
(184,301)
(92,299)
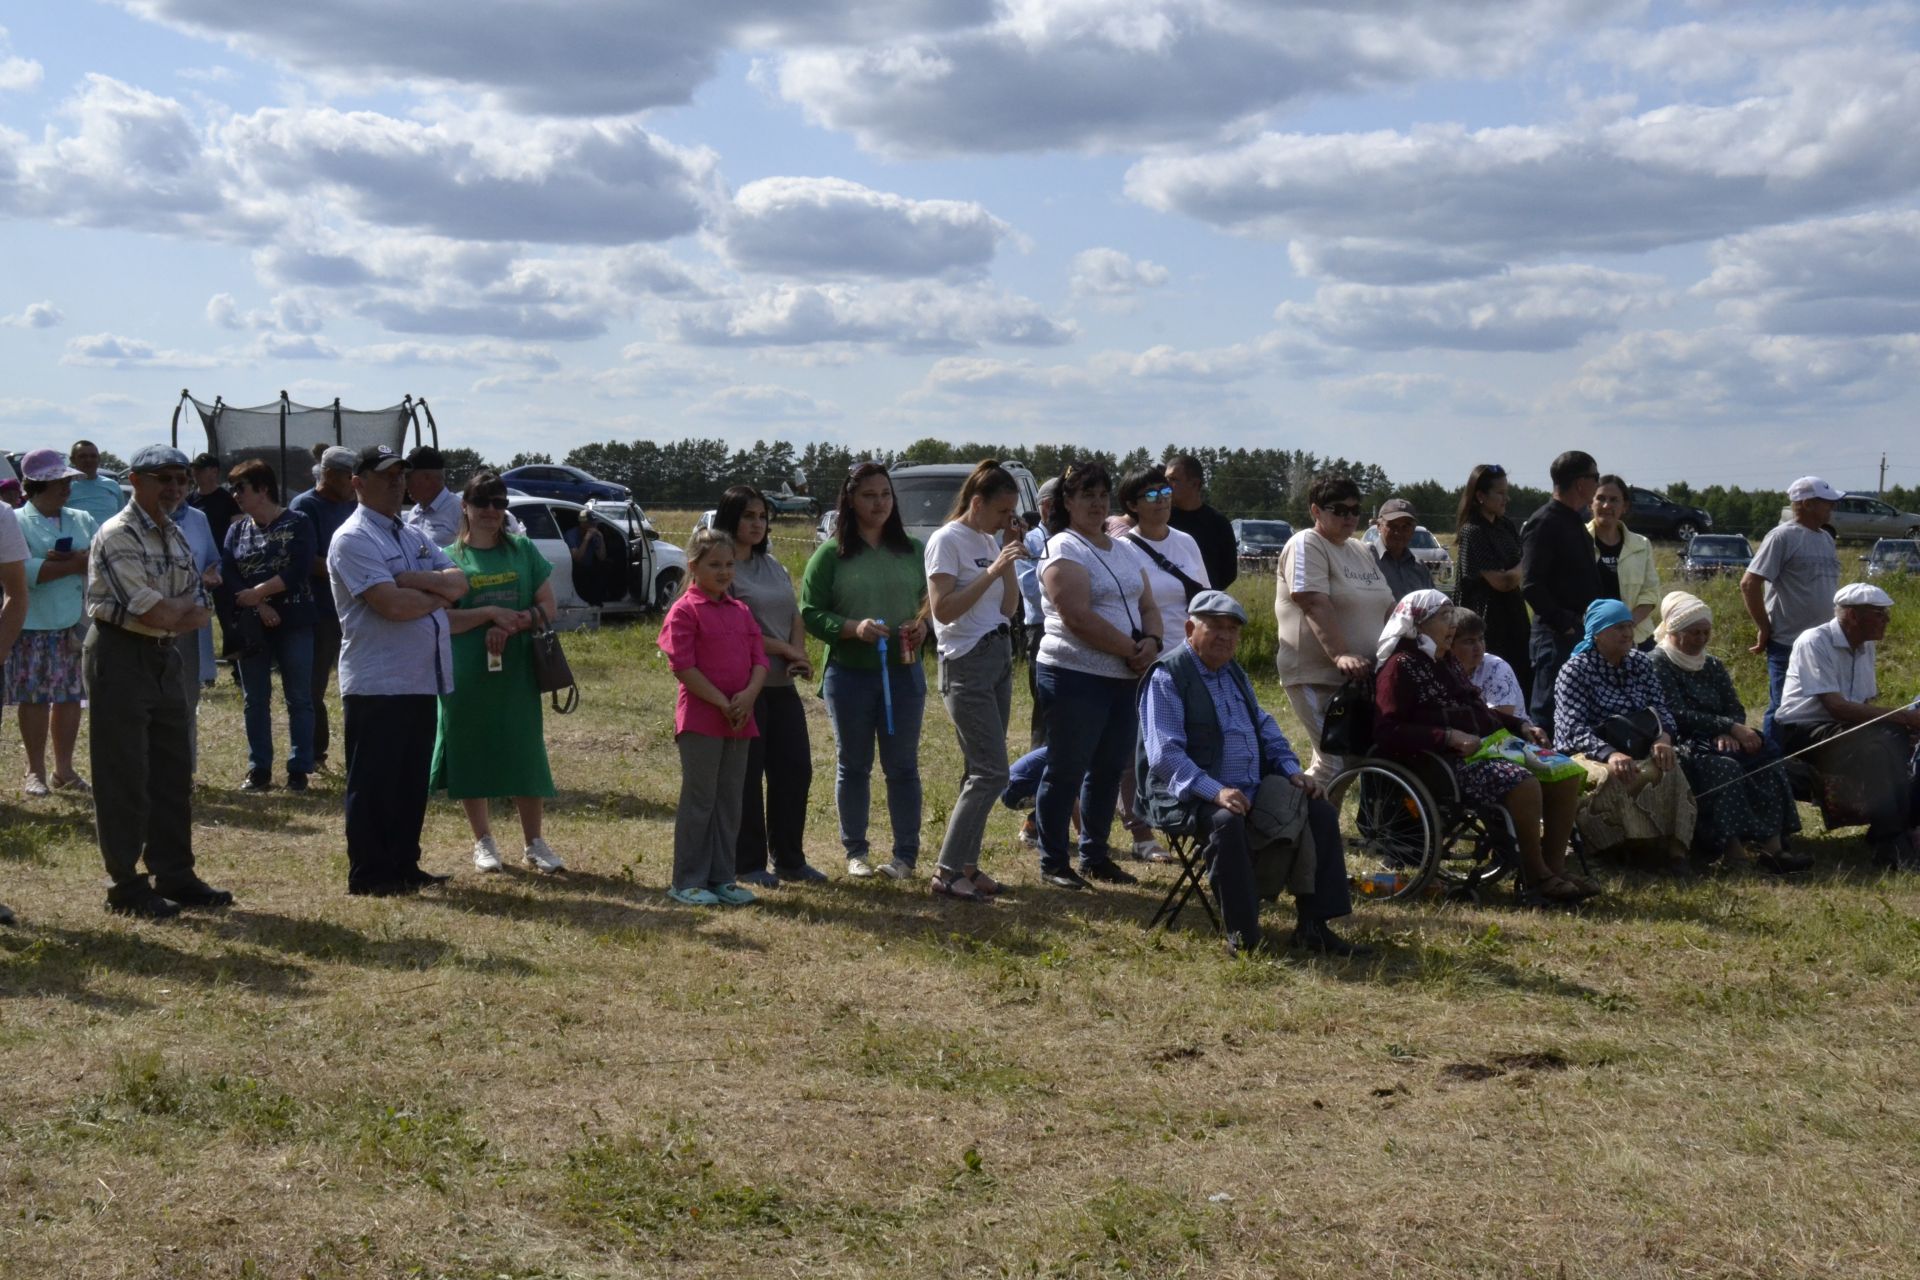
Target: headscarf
(1602,614)
(1404,622)
(1678,611)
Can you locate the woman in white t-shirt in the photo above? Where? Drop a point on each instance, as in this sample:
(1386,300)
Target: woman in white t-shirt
(1330,602)
(972,592)
(1491,674)
(1103,631)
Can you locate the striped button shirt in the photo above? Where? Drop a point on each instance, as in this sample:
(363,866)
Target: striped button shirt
(135,564)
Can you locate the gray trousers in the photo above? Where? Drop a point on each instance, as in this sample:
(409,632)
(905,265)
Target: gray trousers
(978,690)
(706,828)
(141,750)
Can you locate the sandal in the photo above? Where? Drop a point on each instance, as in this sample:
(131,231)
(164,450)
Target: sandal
(982,881)
(1586,886)
(945,885)
(72,782)
(1560,888)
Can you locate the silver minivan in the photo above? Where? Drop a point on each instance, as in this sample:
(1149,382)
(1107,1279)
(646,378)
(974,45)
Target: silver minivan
(924,494)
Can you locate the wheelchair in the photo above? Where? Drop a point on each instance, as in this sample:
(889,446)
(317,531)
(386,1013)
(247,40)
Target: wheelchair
(1411,834)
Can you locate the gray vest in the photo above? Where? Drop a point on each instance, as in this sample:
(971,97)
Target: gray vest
(1151,800)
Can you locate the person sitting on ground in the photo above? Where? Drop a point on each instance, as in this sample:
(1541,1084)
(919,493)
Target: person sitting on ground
(1627,572)
(1634,803)
(1746,805)
(1214,764)
(1861,752)
(1498,683)
(1424,702)
(1406,572)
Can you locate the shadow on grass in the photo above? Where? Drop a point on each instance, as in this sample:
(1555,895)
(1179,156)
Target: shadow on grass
(593,904)
(329,940)
(592,806)
(301,815)
(56,961)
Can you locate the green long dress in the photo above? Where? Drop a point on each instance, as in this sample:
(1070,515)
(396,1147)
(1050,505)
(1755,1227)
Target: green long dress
(492,739)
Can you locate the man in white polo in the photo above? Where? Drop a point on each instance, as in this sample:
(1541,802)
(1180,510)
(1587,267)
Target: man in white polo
(1862,754)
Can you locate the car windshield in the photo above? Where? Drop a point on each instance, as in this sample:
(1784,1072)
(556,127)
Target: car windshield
(925,500)
(1896,549)
(1716,545)
(1263,531)
(1424,540)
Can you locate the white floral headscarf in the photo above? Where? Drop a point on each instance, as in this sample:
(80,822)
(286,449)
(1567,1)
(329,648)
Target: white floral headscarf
(1404,622)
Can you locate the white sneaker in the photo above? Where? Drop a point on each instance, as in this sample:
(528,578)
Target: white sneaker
(485,856)
(859,868)
(898,870)
(1151,850)
(542,858)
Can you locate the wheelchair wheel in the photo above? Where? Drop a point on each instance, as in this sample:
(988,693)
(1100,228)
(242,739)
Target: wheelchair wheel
(1392,828)
(1480,850)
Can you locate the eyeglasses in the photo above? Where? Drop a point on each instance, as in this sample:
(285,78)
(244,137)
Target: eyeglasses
(1157,495)
(1344,510)
(492,504)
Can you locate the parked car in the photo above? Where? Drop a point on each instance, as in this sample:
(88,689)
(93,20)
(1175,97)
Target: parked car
(1860,516)
(1427,550)
(829,521)
(925,494)
(641,572)
(1712,554)
(785,502)
(1260,539)
(1893,555)
(1655,516)
(568,483)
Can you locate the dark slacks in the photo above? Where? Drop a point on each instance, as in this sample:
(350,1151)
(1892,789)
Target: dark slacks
(1549,650)
(1037,727)
(1230,870)
(1867,773)
(773,821)
(140,745)
(326,656)
(389,757)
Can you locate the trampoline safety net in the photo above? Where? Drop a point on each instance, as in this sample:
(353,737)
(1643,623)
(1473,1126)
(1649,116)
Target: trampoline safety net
(236,435)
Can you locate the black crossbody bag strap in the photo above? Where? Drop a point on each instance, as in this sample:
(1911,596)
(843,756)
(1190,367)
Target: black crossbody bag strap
(1172,570)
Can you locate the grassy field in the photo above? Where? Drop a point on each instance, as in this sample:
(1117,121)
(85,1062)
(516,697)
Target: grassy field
(519,1077)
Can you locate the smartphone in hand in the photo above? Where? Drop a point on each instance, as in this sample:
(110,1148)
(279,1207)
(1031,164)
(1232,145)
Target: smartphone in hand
(64,545)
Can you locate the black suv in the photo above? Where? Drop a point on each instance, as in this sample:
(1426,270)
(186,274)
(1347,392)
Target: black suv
(1658,517)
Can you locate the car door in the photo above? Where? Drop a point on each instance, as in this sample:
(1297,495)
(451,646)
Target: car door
(1885,520)
(544,532)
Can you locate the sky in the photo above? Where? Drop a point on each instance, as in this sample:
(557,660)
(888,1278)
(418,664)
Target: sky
(1418,233)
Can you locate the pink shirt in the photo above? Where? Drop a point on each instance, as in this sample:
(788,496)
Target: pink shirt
(721,639)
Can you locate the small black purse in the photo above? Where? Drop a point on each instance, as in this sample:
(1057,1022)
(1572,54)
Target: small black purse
(1348,729)
(1631,733)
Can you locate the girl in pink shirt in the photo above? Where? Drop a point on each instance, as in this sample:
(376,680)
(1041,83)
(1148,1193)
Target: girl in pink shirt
(714,647)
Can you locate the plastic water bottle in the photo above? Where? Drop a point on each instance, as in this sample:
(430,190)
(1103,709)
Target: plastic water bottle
(1380,884)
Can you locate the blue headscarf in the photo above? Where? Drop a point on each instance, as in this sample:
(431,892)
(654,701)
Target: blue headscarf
(1602,614)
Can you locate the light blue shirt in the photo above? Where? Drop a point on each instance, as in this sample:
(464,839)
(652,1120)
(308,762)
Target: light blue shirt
(439,520)
(55,605)
(1248,749)
(1027,573)
(378,655)
(99,497)
(206,555)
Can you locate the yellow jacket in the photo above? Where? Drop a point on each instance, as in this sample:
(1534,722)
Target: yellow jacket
(1639,580)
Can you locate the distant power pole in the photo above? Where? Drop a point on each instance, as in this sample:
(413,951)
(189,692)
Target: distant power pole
(1881,492)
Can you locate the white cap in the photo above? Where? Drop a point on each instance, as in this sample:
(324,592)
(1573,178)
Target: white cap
(1812,487)
(1862,593)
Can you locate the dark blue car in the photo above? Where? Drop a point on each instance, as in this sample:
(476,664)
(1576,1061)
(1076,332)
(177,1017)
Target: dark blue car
(1713,554)
(550,480)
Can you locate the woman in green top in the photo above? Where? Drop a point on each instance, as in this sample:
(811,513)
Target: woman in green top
(492,741)
(866,584)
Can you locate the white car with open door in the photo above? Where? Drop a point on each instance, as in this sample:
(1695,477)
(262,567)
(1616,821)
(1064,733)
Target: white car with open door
(637,573)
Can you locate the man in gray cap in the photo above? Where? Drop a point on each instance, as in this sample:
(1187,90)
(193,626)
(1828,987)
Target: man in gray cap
(1861,753)
(1404,572)
(327,505)
(1788,589)
(1213,765)
(145,596)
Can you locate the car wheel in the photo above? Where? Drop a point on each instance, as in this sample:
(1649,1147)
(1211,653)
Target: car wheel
(1914,532)
(1685,530)
(665,587)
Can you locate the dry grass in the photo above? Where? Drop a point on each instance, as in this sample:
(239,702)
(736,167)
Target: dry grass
(521,1077)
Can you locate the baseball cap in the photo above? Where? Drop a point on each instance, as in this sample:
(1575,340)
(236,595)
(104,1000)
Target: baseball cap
(47,464)
(338,458)
(1812,487)
(377,457)
(157,457)
(1048,489)
(1396,509)
(204,460)
(1217,603)
(426,458)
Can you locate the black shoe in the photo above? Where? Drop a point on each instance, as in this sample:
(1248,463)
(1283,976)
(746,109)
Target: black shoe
(1318,936)
(1784,863)
(383,889)
(422,879)
(802,874)
(296,782)
(148,906)
(1064,878)
(1107,872)
(258,780)
(195,893)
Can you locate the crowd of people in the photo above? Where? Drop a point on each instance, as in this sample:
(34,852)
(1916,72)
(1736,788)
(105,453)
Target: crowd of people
(429,602)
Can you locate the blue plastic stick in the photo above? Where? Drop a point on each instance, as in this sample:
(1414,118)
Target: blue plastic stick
(886,676)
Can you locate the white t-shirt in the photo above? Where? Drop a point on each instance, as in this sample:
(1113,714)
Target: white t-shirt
(1116,579)
(1822,663)
(13,543)
(1178,549)
(965,554)
(1353,582)
(1497,683)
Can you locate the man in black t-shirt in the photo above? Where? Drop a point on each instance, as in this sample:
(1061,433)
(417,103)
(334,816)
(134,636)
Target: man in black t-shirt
(213,500)
(1192,516)
(1559,574)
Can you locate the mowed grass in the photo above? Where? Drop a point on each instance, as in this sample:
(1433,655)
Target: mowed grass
(522,1077)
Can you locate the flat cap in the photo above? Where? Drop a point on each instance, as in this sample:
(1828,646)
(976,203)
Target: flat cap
(338,458)
(1857,594)
(157,457)
(1217,604)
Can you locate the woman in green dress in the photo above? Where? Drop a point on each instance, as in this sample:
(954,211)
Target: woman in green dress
(492,741)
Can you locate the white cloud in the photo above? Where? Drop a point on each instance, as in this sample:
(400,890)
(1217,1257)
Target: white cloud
(111,351)
(1670,375)
(1109,273)
(762,403)
(1419,393)
(1385,262)
(916,316)
(832,227)
(28,413)
(17,74)
(1528,309)
(1841,276)
(35,315)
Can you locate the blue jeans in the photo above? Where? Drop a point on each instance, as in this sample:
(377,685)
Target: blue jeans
(855,706)
(1777,655)
(1091,721)
(1548,650)
(291,650)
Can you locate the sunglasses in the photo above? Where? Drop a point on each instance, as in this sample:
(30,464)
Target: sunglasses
(1344,510)
(493,504)
(1156,495)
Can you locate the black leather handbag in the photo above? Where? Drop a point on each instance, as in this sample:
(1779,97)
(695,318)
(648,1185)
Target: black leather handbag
(1348,730)
(1631,733)
(551,674)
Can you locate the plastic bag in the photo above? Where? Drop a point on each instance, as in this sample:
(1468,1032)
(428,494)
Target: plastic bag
(1542,763)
